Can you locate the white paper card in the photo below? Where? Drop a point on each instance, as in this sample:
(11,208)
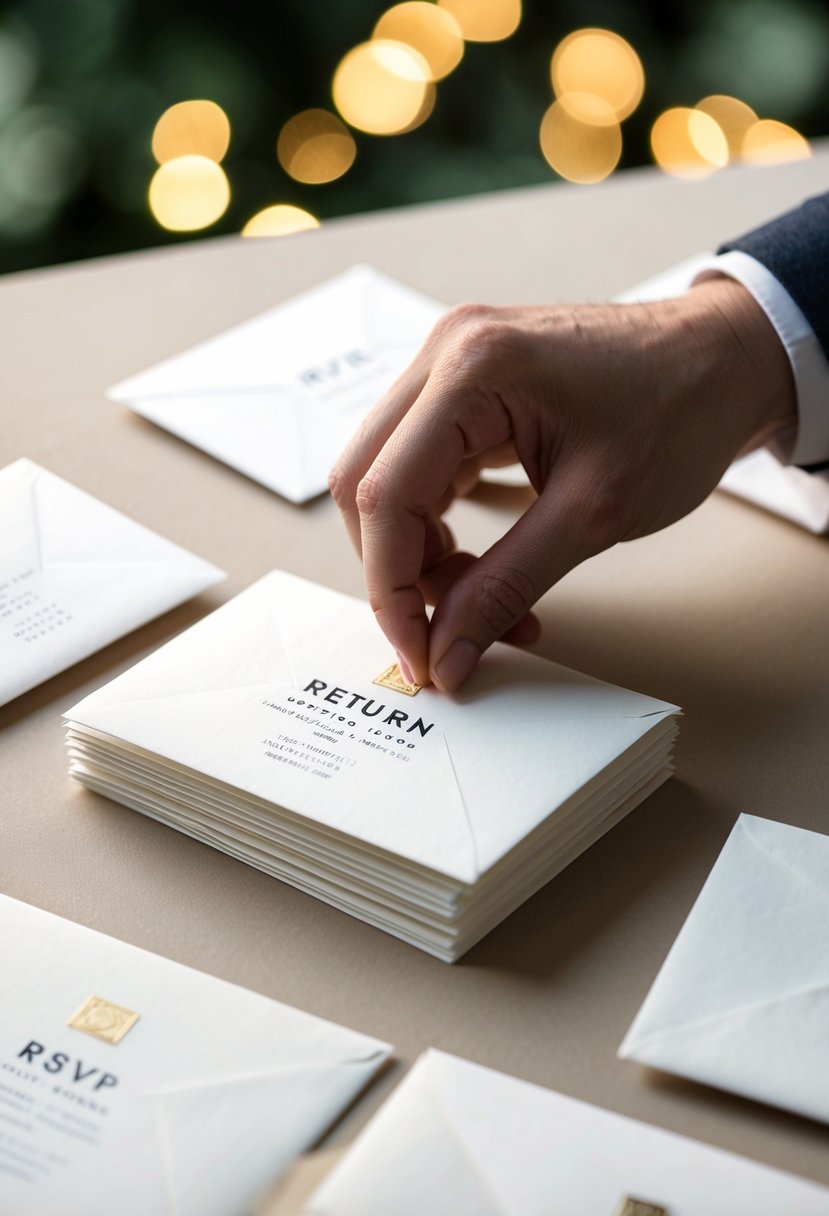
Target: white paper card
(742,1000)
(458,1138)
(75,575)
(196,1111)
(279,396)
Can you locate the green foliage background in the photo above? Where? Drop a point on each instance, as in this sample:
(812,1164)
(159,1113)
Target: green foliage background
(82,83)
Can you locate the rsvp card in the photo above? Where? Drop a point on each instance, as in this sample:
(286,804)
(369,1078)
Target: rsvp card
(134,1085)
(75,575)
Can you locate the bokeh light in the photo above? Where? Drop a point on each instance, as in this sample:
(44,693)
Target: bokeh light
(775,52)
(314,147)
(432,31)
(584,152)
(588,108)
(485,20)
(732,116)
(602,63)
(41,156)
(384,88)
(18,71)
(282,219)
(688,143)
(189,193)
(191,128)
(768,142)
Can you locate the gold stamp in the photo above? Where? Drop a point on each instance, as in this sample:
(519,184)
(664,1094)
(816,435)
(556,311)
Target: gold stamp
(392,678)
(103,1019)
(639,1207)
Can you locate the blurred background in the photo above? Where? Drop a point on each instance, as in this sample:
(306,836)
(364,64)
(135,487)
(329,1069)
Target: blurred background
(128,123)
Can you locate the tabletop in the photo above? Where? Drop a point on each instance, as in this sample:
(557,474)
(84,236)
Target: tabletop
(724,613)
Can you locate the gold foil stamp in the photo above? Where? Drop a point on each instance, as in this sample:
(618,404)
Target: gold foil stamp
(392,678)
(103,1020)
(639,1207)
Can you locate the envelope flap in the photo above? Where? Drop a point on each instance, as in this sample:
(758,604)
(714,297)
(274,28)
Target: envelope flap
(741,999)
(791,492)
(75,529)
(410,1161)
(776,1050)
(224,1143)
(534,1152)
(396,316)
(200,661)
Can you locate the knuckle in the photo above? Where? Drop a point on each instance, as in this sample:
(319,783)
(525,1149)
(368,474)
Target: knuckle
(373,491)
(502,599)
(479,339)
(463,314)
(342,485)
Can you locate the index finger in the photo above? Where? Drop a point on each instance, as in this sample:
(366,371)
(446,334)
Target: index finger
(406,482)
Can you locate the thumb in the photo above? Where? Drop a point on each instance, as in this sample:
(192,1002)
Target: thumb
(497,591)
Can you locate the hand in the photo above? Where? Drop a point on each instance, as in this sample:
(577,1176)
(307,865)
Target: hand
(624,417)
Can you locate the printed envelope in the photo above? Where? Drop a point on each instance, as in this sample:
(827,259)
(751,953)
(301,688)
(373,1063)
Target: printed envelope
(76,574)
(197,1109)
(458,1138)
(285,671)
(742,1000)
(279,396)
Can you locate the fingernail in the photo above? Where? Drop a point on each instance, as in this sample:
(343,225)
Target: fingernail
(405,670)
(457,663)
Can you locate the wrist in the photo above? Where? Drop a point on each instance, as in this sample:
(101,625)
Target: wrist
(746,352)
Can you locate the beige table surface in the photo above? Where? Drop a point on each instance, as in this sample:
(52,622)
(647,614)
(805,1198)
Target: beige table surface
(724,613)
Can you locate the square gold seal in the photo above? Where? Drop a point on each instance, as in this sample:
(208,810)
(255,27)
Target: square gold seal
(639,1207)
(392,678)
(103,1019)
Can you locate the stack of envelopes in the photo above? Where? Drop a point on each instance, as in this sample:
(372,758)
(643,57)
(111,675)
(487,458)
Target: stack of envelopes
(262,730)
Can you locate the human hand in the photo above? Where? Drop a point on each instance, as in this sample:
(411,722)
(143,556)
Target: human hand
(624,417)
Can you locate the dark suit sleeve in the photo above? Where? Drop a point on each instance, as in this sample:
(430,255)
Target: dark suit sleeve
(795,248)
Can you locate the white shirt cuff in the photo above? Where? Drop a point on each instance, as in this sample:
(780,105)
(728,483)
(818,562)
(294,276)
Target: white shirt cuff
(808,443)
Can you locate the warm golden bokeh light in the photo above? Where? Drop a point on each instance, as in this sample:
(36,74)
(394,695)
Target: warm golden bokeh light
(688,143)
(191,128)
(580,151)
(384,88)
(732,116)
(599,62)
(188,193)
(768,142)
(588,108)
(430,30)
(314,147)
(484,20)
(282,219)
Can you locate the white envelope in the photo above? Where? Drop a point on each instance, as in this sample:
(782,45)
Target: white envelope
(279,396)
(196,1111)
(759,477)
(742,1000)
(454,794)
(457,1139)
(75,575)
